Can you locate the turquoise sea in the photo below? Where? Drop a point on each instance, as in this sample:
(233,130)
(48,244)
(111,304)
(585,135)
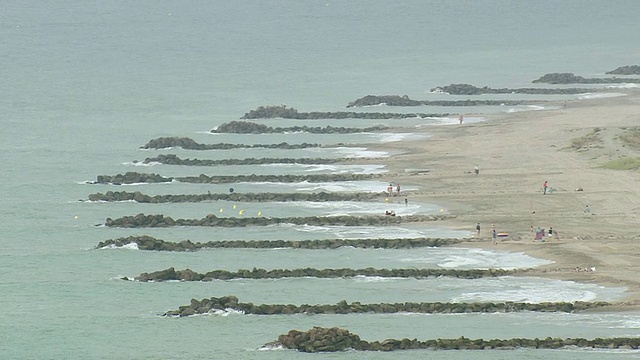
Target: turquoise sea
(84,84)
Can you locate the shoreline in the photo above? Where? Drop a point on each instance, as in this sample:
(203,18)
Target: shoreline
(516,153)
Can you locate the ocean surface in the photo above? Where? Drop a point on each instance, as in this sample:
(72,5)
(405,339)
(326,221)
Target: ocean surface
(84,84)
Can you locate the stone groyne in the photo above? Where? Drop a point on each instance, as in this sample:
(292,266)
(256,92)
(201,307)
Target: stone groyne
(145,242)
(159,220)
(334,339)
(466,89)
(282,111)
(396,100)
(136,177)
(247,127)
(570,78)
(172,159)
(190,275)
(227,303)
(190,144)
(625,70)
(137,196)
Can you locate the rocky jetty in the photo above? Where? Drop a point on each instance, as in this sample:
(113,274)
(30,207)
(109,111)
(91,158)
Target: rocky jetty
(396,100)
(172,159)
(247,127)
(570,78)
(131,178)
(466,89)
(625,70)
(221,179)
(135,177)
(145,242)
(142,220)
(270,112)
(334,339)
(190,275)
(231,303)
(190,144)
(137,196)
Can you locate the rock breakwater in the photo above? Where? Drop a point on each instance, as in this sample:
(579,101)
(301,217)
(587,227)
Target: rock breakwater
(150,243)
(213,304)
(321,339)
(159,220)
(190,144)
(190,275)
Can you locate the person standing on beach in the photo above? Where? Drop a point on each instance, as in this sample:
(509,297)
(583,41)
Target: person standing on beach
(390,189)
(461,118)
(544,187)
(406,201)
(476,169)
(494,236)
(398,188)
(478,230)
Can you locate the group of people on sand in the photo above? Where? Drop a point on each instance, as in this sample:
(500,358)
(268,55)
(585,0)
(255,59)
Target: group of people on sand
(540,234)
(390,190)
(494,233)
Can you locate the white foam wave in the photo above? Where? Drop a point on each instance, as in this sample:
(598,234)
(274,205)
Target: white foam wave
(534,290)
(336,208)
(358,152)
(139,163)
(393,137)
(129,246)
(335,169)
(272,347)
(376,232)
(225,312)
(623,86)
(484,259)
(598,95)
(375,279)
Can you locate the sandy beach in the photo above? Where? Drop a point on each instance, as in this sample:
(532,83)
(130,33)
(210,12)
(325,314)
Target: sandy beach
(516,153)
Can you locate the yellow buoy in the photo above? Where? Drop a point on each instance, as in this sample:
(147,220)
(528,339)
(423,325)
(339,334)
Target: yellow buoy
(75,217)
(241,212)
(235,206)
(441,210)
(386,199)
(221,210)
(259,213)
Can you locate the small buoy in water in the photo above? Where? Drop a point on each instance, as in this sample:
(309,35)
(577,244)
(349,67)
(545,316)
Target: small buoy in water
(231,190)
(235,206)
(441,210)
(75,217)
(386,199)
(259,213)
(221,210)
(241,212)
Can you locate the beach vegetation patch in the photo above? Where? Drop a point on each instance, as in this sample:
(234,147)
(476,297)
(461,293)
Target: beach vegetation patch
(585,142)
(623,163)
(631,138)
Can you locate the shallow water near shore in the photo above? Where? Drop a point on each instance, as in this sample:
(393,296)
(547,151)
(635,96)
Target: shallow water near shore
(86,85)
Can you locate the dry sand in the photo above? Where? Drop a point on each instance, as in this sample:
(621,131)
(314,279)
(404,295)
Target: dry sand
(516,153)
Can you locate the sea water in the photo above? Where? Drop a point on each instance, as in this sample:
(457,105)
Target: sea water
(84,85)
